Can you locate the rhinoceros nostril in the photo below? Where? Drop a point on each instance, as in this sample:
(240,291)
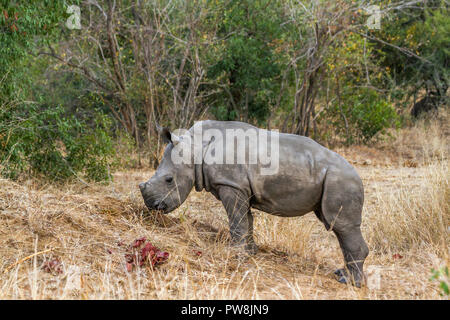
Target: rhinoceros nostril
(142,186)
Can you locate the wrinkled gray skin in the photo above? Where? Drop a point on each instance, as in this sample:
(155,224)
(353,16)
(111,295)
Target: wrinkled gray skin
(310,178)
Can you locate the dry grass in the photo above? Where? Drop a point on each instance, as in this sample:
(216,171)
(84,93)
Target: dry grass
(406,214)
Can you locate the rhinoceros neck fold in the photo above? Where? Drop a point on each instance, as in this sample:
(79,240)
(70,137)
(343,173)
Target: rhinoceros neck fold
(201,182)
(198,177)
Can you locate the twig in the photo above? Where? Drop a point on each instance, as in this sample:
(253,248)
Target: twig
(75,174)
(25,259)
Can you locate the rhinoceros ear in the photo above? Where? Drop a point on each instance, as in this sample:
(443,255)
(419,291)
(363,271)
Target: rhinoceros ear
(167,136)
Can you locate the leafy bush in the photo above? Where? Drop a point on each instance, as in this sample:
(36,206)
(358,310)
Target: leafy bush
(44,141)
(371,119)
(362,116)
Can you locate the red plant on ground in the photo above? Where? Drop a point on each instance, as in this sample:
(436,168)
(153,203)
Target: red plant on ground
(53,266)
(142,252)
(397,256)
(198,253)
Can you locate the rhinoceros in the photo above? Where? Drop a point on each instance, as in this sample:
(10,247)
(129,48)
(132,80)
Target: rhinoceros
(307,178)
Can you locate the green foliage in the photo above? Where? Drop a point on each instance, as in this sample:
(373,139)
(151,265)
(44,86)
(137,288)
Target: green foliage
(425,33)
(296,64)
(246,62)
(35,138)
(372,118)
(362,116)
(43,141)
(24,26)
(442,276)
(358,113)
(126,148)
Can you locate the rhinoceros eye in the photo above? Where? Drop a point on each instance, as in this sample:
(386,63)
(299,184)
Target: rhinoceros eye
(169,179)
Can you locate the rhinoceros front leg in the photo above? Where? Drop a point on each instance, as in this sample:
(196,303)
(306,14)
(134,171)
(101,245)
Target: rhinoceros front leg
(240,218)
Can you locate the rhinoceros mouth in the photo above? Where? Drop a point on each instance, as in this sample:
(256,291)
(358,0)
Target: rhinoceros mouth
(156,206)
(161,207)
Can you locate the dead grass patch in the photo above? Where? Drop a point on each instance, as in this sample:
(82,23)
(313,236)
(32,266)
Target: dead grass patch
(406,214)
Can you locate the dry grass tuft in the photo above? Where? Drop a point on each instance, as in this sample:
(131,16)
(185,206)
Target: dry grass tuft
(415,210)
(422,143)
(405,222)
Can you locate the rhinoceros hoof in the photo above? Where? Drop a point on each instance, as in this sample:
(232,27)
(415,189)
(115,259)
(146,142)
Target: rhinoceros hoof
(251,249)
(346,280)
(244,251)
(341,273)
(344,277)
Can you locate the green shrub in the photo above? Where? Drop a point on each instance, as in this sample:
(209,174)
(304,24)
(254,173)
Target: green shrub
(362,116)
(371,119)
(44,141)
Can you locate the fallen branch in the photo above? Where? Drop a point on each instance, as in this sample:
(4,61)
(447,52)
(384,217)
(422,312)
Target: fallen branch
(25,259)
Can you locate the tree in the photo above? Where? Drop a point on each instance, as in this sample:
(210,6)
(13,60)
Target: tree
(247,66)
(24,26)
(142,59)
(423,69)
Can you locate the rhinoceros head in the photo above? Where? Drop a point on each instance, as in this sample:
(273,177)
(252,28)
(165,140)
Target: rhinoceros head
(172,182)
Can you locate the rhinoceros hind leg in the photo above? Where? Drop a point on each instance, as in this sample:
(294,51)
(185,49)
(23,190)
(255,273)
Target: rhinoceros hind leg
(355,252)
(341,209)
